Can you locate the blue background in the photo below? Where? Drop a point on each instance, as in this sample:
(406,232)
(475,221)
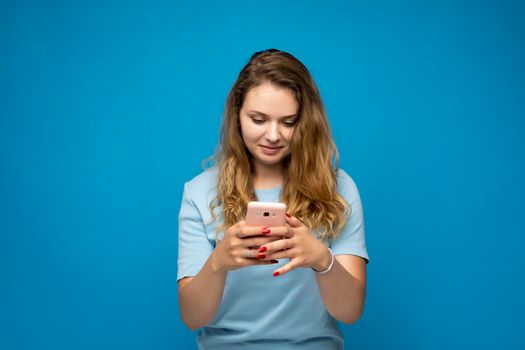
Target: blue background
(108,107)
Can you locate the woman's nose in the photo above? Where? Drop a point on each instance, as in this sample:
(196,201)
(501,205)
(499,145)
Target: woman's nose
(272,134)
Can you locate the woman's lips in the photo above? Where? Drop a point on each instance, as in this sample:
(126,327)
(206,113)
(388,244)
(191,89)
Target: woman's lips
(270,150)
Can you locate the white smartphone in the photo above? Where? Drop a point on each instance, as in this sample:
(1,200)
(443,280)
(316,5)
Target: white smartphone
(266,214)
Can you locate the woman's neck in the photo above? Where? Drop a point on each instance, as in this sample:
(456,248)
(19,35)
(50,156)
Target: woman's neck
(268,177)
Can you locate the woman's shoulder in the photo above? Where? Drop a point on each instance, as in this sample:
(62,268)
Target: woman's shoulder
(346,185)
(206,177)
(202,185)
(344,178)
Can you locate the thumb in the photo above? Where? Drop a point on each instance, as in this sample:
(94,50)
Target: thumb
(293,221)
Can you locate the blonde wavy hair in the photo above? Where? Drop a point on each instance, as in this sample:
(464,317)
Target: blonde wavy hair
(310,170)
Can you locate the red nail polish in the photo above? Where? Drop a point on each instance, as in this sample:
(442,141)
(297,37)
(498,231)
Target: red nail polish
(266,230)
(261,256)
(288,215)
(262,249)
(276,273)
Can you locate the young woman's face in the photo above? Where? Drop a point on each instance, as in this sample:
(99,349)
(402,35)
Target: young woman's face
(268,118)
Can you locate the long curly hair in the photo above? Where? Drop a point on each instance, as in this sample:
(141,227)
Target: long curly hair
(310,169)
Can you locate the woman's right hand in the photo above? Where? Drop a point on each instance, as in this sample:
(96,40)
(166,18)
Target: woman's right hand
(239,247)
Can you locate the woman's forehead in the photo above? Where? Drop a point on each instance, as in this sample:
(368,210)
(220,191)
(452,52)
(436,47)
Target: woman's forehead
(271,100)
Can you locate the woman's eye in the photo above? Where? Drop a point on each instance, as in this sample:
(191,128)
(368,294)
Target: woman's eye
(258,121)
(289,124)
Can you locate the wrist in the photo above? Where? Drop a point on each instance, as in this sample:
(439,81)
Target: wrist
(215,262)
(325,263)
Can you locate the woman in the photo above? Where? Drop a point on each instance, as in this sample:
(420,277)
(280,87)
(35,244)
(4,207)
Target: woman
(254,287)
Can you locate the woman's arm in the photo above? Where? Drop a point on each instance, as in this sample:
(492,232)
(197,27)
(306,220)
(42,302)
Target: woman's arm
(343,288)
(200,296)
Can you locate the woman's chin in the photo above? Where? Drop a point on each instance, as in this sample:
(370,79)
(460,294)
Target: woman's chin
(270,161)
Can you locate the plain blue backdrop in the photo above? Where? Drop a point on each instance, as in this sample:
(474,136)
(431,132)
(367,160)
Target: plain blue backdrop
(107,108)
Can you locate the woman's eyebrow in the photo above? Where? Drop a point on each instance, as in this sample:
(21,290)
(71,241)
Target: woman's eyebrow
(267,116)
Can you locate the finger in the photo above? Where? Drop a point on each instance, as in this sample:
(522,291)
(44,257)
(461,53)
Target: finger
(251,262)
(250,231)
(249,253)
(235,228)
(293,221)
(256,242)
(284,254)
(276,246)
(286,268)
(281,231)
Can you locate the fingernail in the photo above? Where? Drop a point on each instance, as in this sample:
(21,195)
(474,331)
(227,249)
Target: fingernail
(261,256)
(262,249)
(266,230)
(288,215)
(276,273)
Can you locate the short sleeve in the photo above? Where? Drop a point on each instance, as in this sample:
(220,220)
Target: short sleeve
(194,246)
(351,239)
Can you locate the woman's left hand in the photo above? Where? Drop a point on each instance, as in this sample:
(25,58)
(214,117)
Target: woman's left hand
(299,245)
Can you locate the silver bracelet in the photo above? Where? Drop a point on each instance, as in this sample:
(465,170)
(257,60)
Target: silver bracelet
(329,266)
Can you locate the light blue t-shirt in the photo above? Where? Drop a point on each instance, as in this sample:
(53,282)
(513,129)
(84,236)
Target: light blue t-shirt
(259,311)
